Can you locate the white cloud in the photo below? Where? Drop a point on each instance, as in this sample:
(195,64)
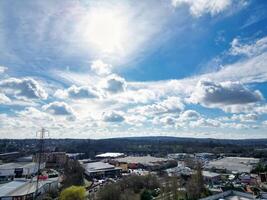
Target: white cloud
(202,122)
(235,125)
(113,84)
(189,115)
(3,69)
(169,105)
(76,92)
(101,68)
(113,116)
(4,99)
(212,94)
(251,117)
(131,96)
(23,88)
(168,120)
(201,7)
(33,113)
(250,70)
(58,108)
(136,120)
(248,49)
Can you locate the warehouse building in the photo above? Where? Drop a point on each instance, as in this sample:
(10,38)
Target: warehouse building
(10,156)
(101,170)
(231,195)
(211,177)
(145,162)
(233,164)
(10,171)
(25,189)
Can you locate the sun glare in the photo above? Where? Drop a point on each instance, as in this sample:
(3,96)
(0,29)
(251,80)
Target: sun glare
(105,30)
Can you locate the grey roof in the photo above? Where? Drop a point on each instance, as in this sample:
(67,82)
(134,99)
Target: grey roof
(145,160)
(238,164)
(9,153)
(22,187)
(9,187)
(17,165)
(230,195)
(210,174)
(95,166)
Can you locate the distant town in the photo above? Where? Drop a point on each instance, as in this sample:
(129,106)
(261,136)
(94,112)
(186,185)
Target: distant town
(133,168)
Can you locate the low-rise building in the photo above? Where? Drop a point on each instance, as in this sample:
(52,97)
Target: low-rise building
(52,159)
(17,170)
(146,162)
(233,164)
(26,189)
(101,170)
(231,195)
(211,177)
(248,178)
(10,156)
(179,170)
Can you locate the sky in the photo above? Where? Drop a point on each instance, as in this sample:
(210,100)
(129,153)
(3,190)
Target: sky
(119,68)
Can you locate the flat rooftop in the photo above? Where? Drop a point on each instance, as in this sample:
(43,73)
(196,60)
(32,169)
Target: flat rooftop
(109,155)
(97,166)
(230,195)
(145,160)
(22,187)
(235,197)
(9,153)
(14,165)
(210,174)
(238,164)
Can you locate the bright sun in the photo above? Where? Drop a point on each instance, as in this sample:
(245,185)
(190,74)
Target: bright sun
(105,30)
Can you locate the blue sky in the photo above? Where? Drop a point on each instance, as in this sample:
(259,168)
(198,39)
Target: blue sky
(100,69)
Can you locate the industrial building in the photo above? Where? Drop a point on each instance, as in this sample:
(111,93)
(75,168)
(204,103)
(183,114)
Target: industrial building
(26,189)
(52,159)
(211,177)
(233,164)
(101,170)
(146,162)
(234,195)
(179,156)
(10,171)
(10,156)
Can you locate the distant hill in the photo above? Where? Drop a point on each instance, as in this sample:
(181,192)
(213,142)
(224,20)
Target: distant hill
(155,145)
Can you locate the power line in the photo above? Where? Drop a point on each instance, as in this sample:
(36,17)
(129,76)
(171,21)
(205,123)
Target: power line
(41,133)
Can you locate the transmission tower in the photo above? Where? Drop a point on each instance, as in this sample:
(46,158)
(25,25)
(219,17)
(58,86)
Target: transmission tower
(41,134)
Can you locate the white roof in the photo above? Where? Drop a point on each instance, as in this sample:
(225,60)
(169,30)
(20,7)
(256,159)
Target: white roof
(239,164)
(9,187)
(210,174)
(22,187)
(18,165)
(109,155)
